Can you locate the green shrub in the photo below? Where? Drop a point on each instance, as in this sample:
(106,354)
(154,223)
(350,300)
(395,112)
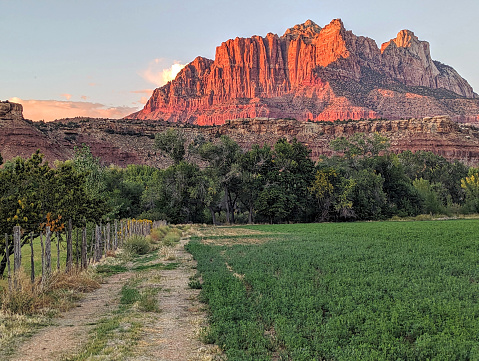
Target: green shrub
(137,245)
(171,238)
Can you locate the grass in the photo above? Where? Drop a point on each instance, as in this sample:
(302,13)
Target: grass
(348,291)
(112,339)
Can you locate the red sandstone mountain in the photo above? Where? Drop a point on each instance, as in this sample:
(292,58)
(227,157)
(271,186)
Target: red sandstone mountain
(317,74)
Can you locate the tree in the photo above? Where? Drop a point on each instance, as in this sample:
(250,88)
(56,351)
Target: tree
(255,166)
(431,194)
(223,158)
(470,184)
(361,145)
(368,197)
(207,191)
(293,173)
(172,143)
(436,169)
(33,195)
(325,190)
(85,162)
(402,198)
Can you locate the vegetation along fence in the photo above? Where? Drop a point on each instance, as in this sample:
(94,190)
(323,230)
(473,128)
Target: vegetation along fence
(84,246)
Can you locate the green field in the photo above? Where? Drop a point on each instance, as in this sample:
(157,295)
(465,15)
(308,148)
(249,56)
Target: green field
(343,291)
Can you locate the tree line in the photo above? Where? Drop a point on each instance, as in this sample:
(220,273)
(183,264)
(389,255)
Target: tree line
(266,184)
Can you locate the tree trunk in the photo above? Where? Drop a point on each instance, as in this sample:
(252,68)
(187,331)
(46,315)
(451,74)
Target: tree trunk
(227,203)
(213,215)
(250,215)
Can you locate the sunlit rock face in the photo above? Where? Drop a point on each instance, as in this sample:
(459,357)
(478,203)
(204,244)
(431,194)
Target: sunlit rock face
(313,73)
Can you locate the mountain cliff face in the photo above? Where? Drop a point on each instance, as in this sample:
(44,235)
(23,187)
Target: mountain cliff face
(124,141)
(313,73)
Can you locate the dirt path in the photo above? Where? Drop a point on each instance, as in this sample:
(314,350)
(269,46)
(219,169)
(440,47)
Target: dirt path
(170,335)
(71,329)
(173,335)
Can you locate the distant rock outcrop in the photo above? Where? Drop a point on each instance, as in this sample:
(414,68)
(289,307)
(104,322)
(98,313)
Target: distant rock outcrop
(10,110)
(313,73)
(18,137)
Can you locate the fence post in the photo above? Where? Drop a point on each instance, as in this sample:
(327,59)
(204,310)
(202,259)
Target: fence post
(77,252)
(98,244)
(48,252)
(43,255)
(7,254)
(58,250)
(84,250)
(115,239)
(32,276)
(108,237)
(17,255)
(69,261)
(104,240)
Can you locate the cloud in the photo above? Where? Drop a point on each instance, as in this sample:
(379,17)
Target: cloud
(49,110)
(159,73)
(83,97)
(66,96)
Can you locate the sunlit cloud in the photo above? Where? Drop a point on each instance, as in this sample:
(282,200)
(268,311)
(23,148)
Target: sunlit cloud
(92,84)
(83,97)
(66,96)
(159,73)
(49,110)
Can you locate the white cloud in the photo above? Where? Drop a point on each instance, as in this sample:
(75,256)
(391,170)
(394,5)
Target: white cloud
(159,73)
(49,110)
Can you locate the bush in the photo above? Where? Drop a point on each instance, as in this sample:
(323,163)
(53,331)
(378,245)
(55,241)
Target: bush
(137,245)
(171,238)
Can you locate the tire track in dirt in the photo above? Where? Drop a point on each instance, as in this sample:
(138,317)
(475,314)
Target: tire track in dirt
(173,334)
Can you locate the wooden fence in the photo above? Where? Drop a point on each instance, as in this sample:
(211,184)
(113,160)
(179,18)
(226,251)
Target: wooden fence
(90,245)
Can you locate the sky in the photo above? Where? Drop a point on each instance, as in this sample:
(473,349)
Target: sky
(103,58)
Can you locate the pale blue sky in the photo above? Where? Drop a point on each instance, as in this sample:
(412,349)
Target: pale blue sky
(99,56)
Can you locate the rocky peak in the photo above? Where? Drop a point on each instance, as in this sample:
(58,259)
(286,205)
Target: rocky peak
(404,39)
(312,73)
(307,30)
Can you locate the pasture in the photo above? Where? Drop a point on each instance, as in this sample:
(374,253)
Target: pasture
(342,291)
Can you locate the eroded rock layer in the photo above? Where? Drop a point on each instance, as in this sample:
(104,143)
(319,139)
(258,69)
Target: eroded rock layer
(314,73)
